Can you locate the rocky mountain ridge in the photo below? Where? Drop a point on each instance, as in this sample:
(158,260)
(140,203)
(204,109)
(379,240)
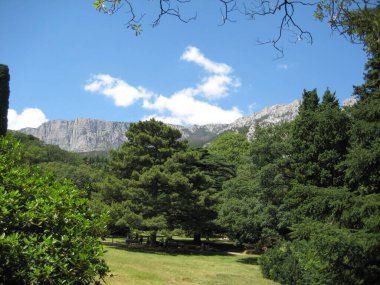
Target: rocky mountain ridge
(87,135)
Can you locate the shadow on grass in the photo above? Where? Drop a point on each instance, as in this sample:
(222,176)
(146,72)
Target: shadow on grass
(254,260)
(173,251)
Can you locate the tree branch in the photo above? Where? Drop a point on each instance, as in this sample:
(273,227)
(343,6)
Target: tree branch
(337,13)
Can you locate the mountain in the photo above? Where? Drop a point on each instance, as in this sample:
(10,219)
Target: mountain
(81,135)
(90,135)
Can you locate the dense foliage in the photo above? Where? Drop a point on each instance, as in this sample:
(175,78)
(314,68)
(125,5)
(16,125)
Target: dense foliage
(249,210)
(48,234)
(303,195)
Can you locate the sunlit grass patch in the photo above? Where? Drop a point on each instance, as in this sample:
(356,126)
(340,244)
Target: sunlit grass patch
(142,268)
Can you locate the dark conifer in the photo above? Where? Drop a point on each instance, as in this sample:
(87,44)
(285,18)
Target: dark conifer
(4,98)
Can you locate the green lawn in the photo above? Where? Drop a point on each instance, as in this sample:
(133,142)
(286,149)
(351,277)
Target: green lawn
(142,268)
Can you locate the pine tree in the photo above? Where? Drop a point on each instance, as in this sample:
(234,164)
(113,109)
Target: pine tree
(148,143)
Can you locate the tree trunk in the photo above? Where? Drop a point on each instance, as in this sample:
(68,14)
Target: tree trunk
(197,238)
(4,98)
(153,239)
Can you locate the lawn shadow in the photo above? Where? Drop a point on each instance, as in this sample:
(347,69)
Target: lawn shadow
(173,251)
(253,260)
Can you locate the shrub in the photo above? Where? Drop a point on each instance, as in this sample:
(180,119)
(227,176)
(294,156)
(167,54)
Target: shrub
(48,234)
(281,265)
(324,254)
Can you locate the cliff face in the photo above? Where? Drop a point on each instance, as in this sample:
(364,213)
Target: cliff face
(81,135)
(85,135)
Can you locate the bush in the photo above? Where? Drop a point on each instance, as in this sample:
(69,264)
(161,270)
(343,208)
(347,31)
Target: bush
(280,264)
(324,254)
(48,235)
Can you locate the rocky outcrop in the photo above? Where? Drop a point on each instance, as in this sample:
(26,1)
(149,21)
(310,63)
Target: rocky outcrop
(85,135)
(349,102)
(81,135)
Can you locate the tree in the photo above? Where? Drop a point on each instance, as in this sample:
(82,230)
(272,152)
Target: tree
(251,200)
(163,185)
(148,143)
(363,160)
(4,98)
(305,155)
(320,139)
(151,191)
(331,140)
(231,146)
(48,234)
(197,204)
(334,235)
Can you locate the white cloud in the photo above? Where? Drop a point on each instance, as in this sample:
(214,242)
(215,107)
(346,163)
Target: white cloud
(120,91)
(185,107)
(217,86)
(30,117)
(193,54)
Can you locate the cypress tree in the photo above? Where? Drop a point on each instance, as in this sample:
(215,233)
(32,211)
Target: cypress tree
(4,98)
(310,101)
(305,155)
(331,140)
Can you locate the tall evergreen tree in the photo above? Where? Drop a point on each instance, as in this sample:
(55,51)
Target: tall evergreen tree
(305,154)
(319,140)
(4,98)
(363,160)
(331,140)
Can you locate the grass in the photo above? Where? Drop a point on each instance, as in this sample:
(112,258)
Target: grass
(158,268)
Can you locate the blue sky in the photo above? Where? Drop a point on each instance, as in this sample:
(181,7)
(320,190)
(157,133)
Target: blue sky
(69,61)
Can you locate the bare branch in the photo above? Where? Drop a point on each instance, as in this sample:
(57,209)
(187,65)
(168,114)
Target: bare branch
(167,9)
(287,23)
(336,12)
(228,7)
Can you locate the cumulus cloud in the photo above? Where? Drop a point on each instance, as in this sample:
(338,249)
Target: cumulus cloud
(193,54)
(30,117)
(218,83)
(118,90)
(185,107)
(217,86)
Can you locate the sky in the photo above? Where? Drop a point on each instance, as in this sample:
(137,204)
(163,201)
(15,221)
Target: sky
(69,61)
